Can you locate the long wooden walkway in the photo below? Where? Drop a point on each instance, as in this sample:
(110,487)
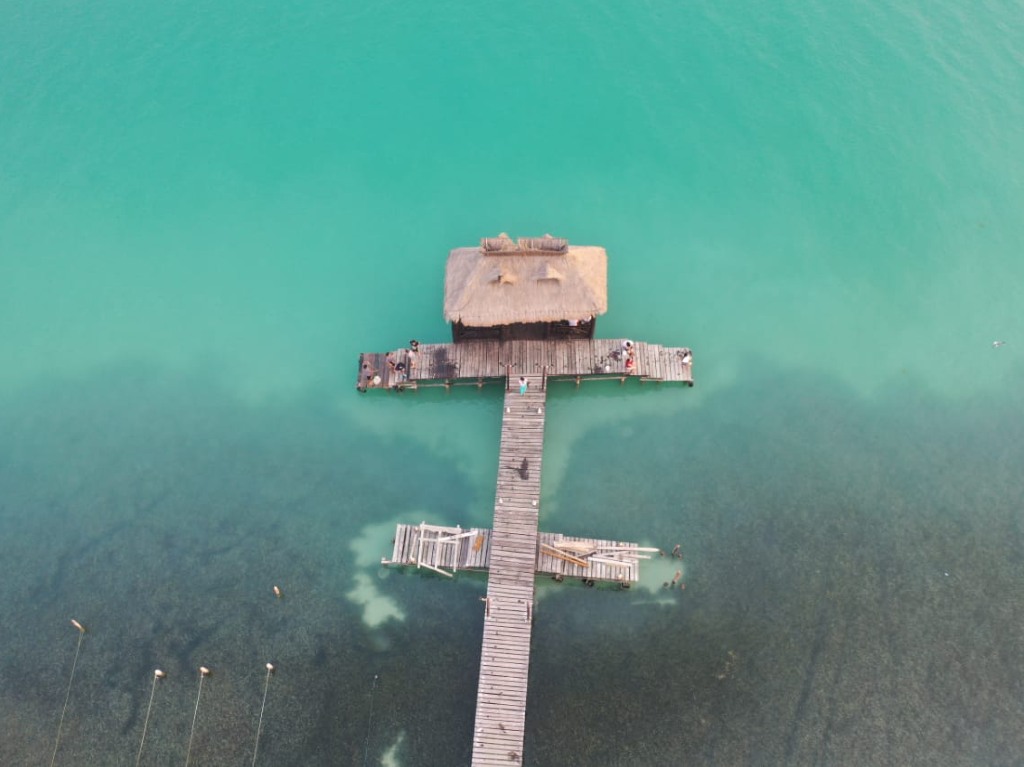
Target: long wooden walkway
(447,550)
(513,552)
(480,362)
(508,610)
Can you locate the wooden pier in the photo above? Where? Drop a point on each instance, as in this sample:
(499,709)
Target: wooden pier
(448,550)
(508,610)
(521,311)
(513,553)
(481,362)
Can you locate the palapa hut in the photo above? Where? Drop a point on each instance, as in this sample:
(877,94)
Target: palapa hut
(533,288)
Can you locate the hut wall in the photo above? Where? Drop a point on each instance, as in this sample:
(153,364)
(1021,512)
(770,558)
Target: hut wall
(524,331)
(462,332)
(563,329)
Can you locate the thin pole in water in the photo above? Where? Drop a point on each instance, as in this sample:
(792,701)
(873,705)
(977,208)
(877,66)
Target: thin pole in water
(203,673)
(157,675)
(369,721)
(266,686)
(67,697)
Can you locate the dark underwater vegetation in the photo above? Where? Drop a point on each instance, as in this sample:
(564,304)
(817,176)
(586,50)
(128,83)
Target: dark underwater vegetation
(853,567)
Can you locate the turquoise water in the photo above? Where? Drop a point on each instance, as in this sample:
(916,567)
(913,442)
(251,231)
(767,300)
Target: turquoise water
(208,210)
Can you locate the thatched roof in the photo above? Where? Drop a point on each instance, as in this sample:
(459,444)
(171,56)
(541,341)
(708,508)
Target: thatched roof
(537,279)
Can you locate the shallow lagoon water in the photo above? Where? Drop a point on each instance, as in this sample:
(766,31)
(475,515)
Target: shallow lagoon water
(208,211)
(855,583)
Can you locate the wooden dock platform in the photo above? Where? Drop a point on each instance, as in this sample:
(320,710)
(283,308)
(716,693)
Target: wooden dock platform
(481,362)
(520,311)
(508,607)
(448,550)
(445,550)
(512,554)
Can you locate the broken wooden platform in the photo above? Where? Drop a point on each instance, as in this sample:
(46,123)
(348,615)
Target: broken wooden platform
(447,550)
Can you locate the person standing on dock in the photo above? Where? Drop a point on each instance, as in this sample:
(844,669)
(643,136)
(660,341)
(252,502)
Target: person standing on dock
(523,384)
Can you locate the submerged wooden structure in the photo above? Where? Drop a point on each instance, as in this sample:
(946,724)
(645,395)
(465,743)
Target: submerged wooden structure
(523,314)
(449,550)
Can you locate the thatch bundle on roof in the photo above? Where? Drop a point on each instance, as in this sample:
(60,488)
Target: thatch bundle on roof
(500,244)
(538,280)
(545,244)
(503,244)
